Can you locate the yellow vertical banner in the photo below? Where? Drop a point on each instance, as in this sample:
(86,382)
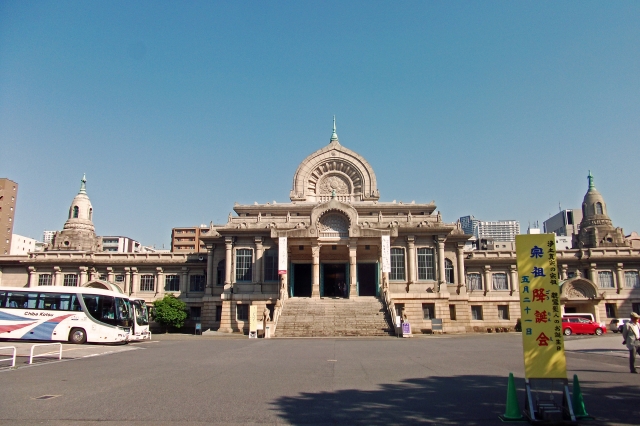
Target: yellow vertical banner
(542,340)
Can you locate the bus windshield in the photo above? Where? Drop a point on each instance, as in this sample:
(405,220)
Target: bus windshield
(108,309)
(142,314)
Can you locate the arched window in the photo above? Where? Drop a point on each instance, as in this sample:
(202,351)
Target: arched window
(448,271)
(76,210)
(90,214)
(220,276)
(598,208)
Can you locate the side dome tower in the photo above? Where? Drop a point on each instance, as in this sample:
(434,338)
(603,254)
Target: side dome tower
(596,228)
(78,232)
(337,170)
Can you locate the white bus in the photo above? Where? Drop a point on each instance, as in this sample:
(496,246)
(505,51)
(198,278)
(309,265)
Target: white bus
(140,329)
(73,314)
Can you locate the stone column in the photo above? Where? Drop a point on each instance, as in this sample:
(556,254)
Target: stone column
(258,275)
(565,273)
(32,277)
(184,281)
(353,268)
(315,271)
(487,279)
(83,276)
(619,277)
(127,280)
(514,285)
(593,275)
(93,274)
(159,282)
(442,279)
(411,256)
(462,285)
(57,276)
(110,274)
(228,245)
(135,280)
(210,271)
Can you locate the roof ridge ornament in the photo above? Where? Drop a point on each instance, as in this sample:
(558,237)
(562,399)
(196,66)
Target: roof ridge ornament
(83,184)
(334,135)
(592,186)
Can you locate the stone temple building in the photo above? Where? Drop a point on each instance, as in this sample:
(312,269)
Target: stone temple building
(332,230)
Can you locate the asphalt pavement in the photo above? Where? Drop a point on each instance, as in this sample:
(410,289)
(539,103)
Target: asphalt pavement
(180,380)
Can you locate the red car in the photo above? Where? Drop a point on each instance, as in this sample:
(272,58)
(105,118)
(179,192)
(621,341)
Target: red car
(575,325)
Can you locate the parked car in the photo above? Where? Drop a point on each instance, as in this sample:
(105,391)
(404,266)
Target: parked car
(616,324)
(575,325)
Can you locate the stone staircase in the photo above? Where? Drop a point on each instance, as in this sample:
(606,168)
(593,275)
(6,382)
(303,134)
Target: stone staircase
(362,316)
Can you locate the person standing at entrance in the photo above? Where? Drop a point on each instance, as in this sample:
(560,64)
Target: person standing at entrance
(631,336)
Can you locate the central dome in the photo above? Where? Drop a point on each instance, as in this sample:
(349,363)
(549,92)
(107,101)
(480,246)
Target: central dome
(334,168)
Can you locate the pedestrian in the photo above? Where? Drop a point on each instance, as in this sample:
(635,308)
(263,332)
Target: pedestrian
(631,336)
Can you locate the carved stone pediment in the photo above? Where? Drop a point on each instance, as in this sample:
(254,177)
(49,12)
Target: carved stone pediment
(579,288)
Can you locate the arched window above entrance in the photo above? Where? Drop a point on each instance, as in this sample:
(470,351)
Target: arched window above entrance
(334,225)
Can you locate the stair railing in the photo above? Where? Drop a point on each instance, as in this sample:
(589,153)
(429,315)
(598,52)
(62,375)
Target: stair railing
(391,310)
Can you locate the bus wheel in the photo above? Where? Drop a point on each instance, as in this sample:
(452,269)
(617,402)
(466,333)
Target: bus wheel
(78,336)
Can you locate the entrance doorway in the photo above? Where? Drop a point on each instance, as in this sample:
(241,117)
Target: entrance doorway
(301,286)
(335,280)
(367,282)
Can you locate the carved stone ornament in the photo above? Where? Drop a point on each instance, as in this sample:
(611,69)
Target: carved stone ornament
(334,222)
(333,183)
(575,293)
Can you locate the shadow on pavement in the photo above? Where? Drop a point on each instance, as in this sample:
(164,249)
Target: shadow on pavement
(468,400)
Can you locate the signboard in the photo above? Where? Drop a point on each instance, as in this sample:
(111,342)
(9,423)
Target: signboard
(253,321)
(406,329)
(282,255)
(386,253)
(542,340)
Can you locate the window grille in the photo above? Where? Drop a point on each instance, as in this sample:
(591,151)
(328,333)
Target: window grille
(426,264)
(397,264)
(243,265)
(448,271)
(500,282)
(631,279)
(172,283)
(70,280)
(474,281)
(196,283)
(271,265)
(605,278)
(503,312)
(242,312)
(428,311)
(147,283)
(44,279)
(476,312)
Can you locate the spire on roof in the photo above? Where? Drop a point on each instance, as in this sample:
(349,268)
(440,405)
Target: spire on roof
(591,184)
(83,184)
(334,135)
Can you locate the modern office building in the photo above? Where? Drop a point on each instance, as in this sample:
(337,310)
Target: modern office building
(47,237)
(187,239)
(499,230)
(21,246)
(116,244)
(564,223)
(8,197)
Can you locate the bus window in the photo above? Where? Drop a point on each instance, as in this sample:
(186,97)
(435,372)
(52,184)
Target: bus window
(16,300)
(2,294)
(75,303)
(103,308)
(51,301)
(123,312)
(32,301)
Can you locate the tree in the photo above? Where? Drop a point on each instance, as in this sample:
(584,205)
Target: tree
(169,311)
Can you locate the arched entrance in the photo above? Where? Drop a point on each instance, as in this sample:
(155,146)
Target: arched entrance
(579,295)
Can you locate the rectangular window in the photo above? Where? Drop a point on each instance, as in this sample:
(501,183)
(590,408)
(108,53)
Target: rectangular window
(605,279)
(172,283)
(452,312)
(147,283)
(474,282)
(195,313)
(243,265)
(70,280)
(119,278)
(476,312)
(271,265)
(500,282)
(44,279)
(218,313)
(631,279)
(571,275)
(397,264)
(196,283)
(242,312)
(426,264)
(611,310)
(428,311)
(503,312)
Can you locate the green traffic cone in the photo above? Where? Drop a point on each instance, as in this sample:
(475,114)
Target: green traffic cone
(577,401)
(512,412)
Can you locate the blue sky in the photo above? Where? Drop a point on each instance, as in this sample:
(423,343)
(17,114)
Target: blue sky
(176,110)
